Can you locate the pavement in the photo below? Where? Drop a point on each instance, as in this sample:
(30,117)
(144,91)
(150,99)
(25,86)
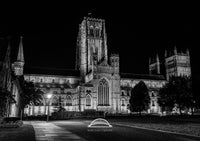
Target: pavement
(71,130)
(47,131)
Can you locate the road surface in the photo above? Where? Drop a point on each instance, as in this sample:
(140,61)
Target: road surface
(119,133)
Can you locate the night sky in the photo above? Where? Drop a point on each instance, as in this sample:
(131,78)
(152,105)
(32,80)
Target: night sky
(135,31)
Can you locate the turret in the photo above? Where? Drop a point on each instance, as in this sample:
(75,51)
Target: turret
(114,62)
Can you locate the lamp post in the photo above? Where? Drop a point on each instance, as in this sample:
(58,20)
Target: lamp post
(48,99)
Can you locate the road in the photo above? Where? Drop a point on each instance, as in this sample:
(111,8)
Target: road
(119,133)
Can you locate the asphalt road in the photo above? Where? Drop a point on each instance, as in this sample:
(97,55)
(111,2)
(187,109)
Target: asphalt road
(119,133)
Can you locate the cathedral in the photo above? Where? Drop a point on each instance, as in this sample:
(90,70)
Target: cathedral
(97,83)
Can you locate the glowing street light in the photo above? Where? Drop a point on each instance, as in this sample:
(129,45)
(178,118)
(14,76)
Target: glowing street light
(49,96)
(48,101)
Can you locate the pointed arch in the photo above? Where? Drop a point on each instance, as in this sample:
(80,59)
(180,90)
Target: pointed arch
(55,101)
(122,102)
(103,93)
(68,101)
(88,100)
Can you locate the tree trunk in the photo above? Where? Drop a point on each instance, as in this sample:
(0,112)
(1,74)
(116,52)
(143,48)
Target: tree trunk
(22,113)
(192,110)
(180,110)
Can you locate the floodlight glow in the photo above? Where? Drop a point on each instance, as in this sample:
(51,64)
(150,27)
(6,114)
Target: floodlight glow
(49,96)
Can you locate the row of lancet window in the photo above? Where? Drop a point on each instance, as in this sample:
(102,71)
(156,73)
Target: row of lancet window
(56,101)
(103,93)
(94,33)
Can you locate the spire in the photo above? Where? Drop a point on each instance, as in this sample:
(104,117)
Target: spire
(7,57)
(175,50)
(188,52)
(157,58)
(105,41)
(149,65)
(5,80)
(20,56)
(165,53)
(149,60)
(158,64)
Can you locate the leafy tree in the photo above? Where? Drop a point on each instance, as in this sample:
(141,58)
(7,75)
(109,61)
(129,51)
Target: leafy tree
(29,94)
(177,91)
(166,98)
(6,98)
(140,99)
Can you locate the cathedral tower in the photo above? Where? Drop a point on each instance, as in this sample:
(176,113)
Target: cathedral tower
(19,64)
(178,64)
(91,45)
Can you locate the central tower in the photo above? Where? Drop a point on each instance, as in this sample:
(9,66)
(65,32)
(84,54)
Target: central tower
(91,45)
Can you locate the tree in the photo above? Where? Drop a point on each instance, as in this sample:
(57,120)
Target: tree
(6,98)
(60,107)
(166,98)
(29,94)
(140,99)
(177,91)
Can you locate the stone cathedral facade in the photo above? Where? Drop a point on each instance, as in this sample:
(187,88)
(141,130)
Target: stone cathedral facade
(96,83)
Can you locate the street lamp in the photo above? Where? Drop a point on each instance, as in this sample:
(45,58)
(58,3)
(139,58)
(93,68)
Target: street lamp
(48,101)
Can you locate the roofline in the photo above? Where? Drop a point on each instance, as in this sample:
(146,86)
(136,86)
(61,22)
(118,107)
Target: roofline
(144,79)
(143,75)
(52,75)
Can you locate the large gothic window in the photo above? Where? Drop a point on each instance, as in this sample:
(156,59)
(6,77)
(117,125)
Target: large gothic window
(103,93)
(88,100)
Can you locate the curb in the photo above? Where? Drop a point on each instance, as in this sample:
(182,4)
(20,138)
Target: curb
(132,126)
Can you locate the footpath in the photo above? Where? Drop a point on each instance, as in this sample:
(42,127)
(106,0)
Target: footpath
(47,131)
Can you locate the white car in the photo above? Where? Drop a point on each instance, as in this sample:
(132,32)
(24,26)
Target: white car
(99,124)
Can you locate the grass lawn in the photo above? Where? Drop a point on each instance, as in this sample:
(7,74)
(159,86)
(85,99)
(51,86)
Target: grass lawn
(185,125)
(23,133)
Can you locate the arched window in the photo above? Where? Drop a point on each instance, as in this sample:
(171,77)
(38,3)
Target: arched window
(103,93)
(69,101)
(97,33)
(152,95)
(153,103)
(123,102)
(88,100)
(91,30)
(55,101)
